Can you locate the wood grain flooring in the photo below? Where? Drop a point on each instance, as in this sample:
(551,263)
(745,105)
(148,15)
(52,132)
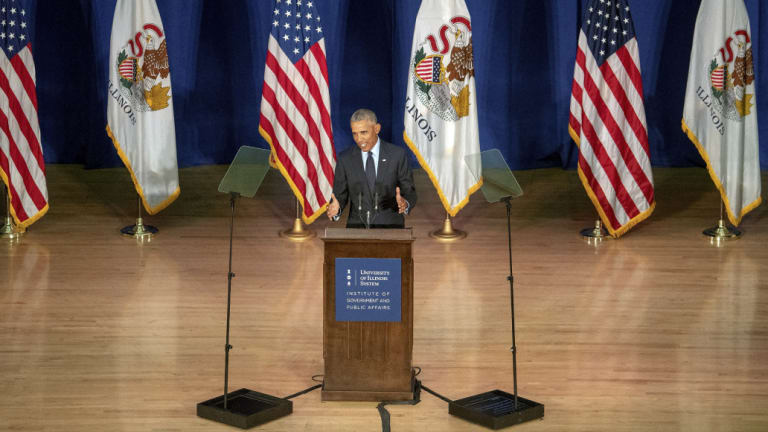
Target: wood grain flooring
(657,331)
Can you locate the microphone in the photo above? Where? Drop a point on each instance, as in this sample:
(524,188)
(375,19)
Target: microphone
(366,222)
(376,202)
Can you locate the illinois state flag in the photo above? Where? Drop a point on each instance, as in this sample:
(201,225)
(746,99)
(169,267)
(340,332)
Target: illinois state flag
(21,154)
(140,107)
(296,105)
(607,119)
(720,112)
(440,108)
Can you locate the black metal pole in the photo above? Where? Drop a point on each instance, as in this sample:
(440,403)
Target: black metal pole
(230,275)
(510,278)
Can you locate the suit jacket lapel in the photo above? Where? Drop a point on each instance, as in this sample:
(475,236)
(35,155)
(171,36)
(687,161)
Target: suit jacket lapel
(384,157)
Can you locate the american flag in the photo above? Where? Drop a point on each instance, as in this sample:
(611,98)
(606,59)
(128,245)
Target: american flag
(607,118)
(21,155)
(296,105)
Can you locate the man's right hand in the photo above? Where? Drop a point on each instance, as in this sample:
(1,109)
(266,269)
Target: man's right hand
(333,207)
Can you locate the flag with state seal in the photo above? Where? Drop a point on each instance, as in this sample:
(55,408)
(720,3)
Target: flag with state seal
(440,109)
(720,111)
(140,102)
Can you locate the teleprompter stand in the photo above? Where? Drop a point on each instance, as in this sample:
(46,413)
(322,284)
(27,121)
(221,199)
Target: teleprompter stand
(243,408)
(497,409)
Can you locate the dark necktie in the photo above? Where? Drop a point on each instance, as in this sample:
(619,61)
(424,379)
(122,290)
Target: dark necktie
(370,171)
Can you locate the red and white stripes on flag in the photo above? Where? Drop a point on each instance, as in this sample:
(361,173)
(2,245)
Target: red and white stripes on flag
(21,154)
(296,111)
(607,120)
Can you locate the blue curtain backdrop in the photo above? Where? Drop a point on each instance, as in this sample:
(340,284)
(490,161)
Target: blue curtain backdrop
(524,55)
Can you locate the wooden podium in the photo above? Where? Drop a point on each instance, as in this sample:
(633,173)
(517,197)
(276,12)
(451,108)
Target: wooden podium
(367,360)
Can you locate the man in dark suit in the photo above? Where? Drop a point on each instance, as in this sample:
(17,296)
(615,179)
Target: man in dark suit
(374,177)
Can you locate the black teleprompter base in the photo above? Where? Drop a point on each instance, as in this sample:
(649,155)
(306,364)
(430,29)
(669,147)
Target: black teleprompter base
(245,408)
(496,409)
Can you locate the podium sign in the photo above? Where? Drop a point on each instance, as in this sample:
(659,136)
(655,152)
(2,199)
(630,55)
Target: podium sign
(368,314)
(368,289)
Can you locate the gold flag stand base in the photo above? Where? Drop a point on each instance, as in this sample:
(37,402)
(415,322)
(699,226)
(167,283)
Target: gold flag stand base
(722,232)
(9,230)
(594,235)
(447,233)
(139,231)
(298,232)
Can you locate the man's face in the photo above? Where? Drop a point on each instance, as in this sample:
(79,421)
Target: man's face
(365,134)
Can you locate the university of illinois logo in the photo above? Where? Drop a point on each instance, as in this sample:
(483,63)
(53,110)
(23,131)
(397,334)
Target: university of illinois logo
(731,75)
(441,78)
(142,70)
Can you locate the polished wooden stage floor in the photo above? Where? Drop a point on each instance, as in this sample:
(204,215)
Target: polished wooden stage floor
(657,331)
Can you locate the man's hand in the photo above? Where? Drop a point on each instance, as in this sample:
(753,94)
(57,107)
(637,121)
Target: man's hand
(402,204)
(333,207)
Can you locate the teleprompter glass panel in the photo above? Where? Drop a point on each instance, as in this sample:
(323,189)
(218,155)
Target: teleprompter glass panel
(246,172)
(498,180)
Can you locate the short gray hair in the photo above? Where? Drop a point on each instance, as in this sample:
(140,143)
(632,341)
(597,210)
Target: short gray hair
(363,114)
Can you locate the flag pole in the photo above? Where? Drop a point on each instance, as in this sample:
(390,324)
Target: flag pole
(298,232)
(8,230)
(447,233)
(595,234)
(139,231)
(721,231)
